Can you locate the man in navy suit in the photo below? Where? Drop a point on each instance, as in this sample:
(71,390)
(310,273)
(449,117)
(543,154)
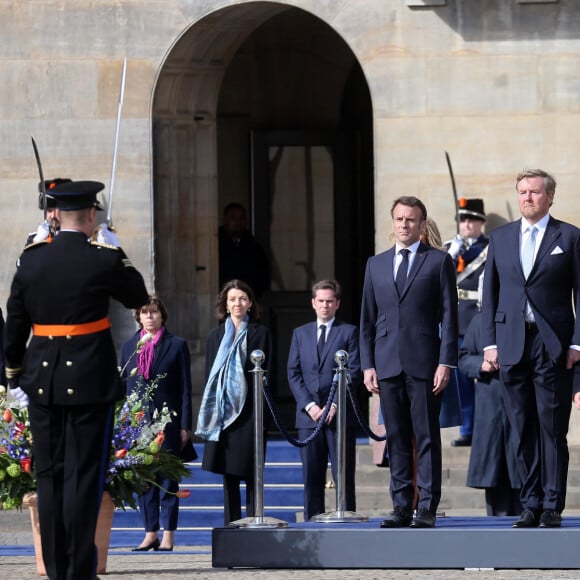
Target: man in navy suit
(311,369)
(531,288)
(408,341)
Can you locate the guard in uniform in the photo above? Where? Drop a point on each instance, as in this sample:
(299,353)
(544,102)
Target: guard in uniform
(61,291)
(469,252)
(50,226)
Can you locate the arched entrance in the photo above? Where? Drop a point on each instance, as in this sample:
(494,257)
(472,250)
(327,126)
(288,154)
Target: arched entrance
(265,105)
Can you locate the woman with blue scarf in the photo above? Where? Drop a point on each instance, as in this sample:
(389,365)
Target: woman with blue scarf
(226,420)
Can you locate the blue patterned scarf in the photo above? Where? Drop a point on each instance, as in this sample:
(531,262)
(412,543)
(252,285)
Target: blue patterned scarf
(226,388)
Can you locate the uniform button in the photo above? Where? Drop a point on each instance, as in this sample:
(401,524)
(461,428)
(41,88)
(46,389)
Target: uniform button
(68,337)
(40,391)
(50,337)
(44,363)
(70,391)
(69,363)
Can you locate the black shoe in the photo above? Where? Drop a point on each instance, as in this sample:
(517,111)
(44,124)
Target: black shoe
(550,519)
(423,519)
(162,549)
(463,441)
(528,519)
(154,545)
(398,518)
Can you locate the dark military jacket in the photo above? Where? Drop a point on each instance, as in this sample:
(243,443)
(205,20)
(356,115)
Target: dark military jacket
(68,281)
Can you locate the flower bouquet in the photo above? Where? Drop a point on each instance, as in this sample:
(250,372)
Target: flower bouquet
(16,476)
(136,456)
(135,461)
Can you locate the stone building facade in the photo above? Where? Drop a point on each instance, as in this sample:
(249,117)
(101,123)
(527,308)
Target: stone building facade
(315,114)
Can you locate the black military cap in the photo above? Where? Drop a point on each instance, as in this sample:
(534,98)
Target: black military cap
(471,208)
(75,195)
(50,184)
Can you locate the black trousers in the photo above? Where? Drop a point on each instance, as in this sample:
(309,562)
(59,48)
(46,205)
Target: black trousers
(410,409)
(537,396)
(233,498)
(71,450)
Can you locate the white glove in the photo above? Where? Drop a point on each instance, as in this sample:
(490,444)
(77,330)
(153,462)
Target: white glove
(42,233)
(106,236)
(19,396)
(455,246)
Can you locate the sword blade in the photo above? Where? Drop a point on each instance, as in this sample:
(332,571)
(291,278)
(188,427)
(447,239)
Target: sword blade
(41,174)
(454,191)
(116,148)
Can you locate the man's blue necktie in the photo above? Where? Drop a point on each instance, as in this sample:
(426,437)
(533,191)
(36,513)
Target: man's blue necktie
(528,251)
(321,340)
(401,278)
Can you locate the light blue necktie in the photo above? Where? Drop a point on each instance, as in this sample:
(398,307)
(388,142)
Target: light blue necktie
(528,252)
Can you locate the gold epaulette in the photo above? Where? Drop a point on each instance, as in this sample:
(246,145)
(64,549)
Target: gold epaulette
(103,245)
(36,244)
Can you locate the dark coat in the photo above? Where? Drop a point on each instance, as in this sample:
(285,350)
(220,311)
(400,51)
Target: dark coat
(234,453)
(555,275)
(493,450)
(68,281)
(310,381)
(171,359)
(418,331)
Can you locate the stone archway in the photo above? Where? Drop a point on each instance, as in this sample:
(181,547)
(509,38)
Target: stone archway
(198,113)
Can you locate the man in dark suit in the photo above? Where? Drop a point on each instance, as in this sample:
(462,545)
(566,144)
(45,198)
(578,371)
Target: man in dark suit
(531,288)
(311,369)
(408,341)
(61,292)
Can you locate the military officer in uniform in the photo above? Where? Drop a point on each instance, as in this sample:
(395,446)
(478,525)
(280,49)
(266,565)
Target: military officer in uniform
(61,291)
(50,226)
(469,252)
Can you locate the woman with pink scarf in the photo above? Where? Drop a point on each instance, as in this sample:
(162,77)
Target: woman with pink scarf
(155,353)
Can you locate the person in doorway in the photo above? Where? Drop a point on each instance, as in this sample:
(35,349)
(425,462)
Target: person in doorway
(311,370)
(226,415)
(408,345)
(531,291)
(68,369)
(241,257)
(469,252)
(164,360)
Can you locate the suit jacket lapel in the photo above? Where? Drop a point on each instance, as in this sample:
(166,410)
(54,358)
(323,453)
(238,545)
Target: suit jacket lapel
(418,262)
(551,234)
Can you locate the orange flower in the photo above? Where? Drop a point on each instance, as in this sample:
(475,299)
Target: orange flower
(160,438)
(183,493)
(7,415)
(26,465)
(120,453)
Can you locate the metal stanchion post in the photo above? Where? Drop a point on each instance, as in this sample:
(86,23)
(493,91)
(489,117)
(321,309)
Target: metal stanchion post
(258,520)
(340,515)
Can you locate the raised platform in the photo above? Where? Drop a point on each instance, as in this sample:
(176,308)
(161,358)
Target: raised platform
(455,542)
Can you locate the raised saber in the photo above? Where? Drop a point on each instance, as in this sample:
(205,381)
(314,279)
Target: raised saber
(41,174)
(454,191)
(115,150)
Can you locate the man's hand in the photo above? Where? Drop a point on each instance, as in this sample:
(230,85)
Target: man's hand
(486,367)
(490,356)
(371,381)
(572,357)
(42,233)
(576,400)
(106,236)
(16,393)
(441,378)
(315,412)
(456,246)
(184,437)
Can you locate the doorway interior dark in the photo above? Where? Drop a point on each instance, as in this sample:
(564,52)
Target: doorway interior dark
(295,146)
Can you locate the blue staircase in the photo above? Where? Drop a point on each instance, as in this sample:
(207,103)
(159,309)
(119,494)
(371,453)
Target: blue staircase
(203,509)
